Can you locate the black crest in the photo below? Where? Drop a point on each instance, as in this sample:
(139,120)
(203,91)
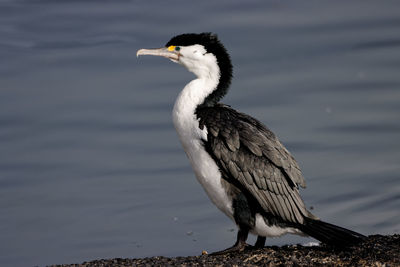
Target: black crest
(212,45)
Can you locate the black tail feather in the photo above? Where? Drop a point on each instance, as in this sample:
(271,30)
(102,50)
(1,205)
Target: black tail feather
(331,234)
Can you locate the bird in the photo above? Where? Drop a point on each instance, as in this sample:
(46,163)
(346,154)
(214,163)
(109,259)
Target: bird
(241,164)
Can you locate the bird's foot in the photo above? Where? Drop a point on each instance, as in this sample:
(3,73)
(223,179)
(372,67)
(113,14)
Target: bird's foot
(235,248)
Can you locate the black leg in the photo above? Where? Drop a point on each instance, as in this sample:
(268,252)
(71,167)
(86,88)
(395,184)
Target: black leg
(260,243)
(240,244)
(241,238)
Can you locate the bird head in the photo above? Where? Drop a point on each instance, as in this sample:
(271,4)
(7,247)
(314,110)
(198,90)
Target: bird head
(203,54)
(199,53)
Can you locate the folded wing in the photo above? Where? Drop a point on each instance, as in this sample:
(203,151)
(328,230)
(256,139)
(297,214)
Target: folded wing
(250,154)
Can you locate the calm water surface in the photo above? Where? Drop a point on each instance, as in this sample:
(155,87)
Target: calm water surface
(90,164)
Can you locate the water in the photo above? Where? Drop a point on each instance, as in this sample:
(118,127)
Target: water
(91,167)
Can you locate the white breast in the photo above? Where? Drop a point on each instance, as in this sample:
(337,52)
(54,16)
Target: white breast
(191,136)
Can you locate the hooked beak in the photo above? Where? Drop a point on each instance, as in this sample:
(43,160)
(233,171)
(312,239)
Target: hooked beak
(163,52)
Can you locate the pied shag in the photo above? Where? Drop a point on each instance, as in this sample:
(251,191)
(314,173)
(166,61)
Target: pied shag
(245,170)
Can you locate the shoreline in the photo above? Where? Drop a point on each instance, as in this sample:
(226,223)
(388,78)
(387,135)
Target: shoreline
(376,250)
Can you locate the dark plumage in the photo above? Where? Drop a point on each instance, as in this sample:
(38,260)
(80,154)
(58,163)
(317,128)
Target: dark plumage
(249,154)
(253,160)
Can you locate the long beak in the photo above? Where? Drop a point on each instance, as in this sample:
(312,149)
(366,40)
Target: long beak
(163,52)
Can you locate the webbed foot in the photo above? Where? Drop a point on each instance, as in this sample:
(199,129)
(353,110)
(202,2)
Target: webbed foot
(235,248)
(240,244)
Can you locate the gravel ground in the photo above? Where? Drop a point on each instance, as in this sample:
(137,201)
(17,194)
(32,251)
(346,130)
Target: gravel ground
(377,250)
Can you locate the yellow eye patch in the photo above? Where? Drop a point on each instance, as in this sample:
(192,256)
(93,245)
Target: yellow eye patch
(173,47)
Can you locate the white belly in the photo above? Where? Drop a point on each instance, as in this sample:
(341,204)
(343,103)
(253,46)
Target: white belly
(209,176)
(263,229)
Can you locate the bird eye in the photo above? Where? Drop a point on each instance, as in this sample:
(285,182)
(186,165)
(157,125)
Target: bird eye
(177,48)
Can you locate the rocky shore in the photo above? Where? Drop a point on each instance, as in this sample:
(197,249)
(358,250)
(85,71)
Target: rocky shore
(377,250)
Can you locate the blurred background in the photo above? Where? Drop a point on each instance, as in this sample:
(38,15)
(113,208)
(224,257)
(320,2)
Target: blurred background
(91,166)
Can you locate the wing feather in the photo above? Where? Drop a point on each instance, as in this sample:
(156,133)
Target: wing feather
(247,152)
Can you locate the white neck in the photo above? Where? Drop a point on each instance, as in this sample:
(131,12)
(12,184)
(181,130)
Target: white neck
(191,136)
(184,117)
(205,66)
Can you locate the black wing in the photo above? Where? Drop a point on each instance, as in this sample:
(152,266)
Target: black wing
(246,151)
